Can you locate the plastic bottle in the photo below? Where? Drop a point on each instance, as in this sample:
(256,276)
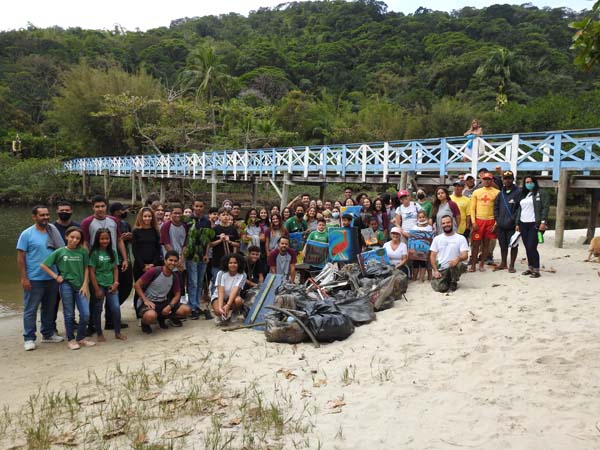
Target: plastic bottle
(540,237)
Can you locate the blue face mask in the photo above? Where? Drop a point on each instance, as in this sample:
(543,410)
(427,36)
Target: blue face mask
(530,186)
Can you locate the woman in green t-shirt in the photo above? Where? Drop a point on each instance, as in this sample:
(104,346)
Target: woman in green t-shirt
(72,278)
(104,277)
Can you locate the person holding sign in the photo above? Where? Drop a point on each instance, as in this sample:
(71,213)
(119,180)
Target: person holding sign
(419,242)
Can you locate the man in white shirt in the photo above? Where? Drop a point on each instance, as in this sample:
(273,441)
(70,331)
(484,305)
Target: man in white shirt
(448,250)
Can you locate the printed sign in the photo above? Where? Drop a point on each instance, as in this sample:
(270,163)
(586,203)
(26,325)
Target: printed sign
(343,244)
(372,257)
(419,243)
(316,253)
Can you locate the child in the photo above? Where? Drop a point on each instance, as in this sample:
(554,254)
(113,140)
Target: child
(229,283)
(104,275)
(372,236)
(72,277)
(419,256)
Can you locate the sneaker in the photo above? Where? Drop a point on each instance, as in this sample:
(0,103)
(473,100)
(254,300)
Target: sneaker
(195,315)
(53,339)
(175,322)
(146,328)
(453,287)
(207,314)
(86,343)
(73,345)
(29,345)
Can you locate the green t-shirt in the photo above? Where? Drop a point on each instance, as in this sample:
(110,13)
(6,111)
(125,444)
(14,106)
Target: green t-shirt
(319,236)
(100,260)
(71,264)
(293,226)
(428,207)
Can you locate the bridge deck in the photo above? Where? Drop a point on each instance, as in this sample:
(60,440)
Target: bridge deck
(381,162)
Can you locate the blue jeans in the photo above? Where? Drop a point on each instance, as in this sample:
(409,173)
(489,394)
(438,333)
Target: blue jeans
(112,303)
(214,272)
(195,280)
(42,293)
(71,297)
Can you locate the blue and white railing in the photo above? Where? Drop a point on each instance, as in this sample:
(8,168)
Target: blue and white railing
(546,152)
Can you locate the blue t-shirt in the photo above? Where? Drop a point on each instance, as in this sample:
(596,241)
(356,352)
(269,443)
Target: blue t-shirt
(35,245)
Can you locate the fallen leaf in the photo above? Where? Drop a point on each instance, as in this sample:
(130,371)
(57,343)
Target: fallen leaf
(337,403)
(174,434)
(118,430)
(66,438)
(222,403)
(305,394)
(319,383)
(214,398)
(235,421)
(175,399)
(141,438)
(288,374)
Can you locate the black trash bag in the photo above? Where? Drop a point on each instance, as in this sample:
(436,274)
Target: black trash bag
(355,305)
(327,322)
(389,290)
(379,270)
(278,328)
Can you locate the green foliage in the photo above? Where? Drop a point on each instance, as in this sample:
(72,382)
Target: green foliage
(587,39)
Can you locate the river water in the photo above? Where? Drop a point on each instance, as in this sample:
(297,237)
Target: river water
(16,219)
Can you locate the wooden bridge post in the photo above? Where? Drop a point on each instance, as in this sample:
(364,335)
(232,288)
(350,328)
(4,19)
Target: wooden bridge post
(84,191)
(106,177)
(143,189)
(593,219)
(163,183)
(133,196)
(403,180)
(213,188)
(561,206)
(254,190)
(182,190)
(322,189)
(285,191)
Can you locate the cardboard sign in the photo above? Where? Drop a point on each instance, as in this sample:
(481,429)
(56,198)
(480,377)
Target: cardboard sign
(343,244)
(264,297)
(419,243)
(369,236)
(297,241)
(316,253)
(372,257)
(353,210)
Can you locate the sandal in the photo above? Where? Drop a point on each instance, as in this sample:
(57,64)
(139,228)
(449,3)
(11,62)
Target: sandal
(534,275)
(527,272)
(511,270)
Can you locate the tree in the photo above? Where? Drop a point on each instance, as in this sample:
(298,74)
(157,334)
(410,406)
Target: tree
(586,41)
(503,67)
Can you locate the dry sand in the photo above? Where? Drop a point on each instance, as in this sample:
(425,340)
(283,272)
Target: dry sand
(505,362)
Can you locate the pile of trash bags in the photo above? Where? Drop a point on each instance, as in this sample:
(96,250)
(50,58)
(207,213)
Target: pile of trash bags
(328,307)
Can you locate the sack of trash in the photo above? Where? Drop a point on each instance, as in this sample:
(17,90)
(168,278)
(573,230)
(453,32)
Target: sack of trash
(326,321)
(280,328)
(388,290)
(356,305)
(379,270)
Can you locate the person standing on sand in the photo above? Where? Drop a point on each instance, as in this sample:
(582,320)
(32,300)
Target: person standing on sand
(39,289)
(448,250)
(484,224)
(505,210)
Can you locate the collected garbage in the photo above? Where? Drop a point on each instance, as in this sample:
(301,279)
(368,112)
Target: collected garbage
(328,307)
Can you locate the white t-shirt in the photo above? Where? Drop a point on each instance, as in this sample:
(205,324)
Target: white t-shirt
(448,248)
(527,210)
(395,255)
(409,214)
(228,282)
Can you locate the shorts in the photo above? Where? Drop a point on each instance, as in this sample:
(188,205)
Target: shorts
(485,230)
(159,306)
(417,263)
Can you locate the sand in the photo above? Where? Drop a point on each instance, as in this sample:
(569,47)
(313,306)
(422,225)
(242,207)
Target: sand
(504,362)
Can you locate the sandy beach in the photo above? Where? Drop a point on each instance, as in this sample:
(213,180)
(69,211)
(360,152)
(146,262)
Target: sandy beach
(504,362)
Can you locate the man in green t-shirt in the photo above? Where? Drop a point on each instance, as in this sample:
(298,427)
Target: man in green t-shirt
(424,203)
(297,223)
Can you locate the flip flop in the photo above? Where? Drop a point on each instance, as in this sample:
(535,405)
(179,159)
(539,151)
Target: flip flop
(470,269)
(497,268)
(512,270)
(482,269)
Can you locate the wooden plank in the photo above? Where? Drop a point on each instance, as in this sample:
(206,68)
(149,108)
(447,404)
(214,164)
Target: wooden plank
(265,296)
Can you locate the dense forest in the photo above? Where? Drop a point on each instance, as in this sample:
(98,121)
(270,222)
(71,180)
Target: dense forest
(300,73)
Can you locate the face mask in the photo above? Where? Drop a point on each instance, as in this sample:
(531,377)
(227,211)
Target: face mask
(422,222)
(530,186)
(420,196)
(335,215)
(299,215)
(123,215)
(64,216)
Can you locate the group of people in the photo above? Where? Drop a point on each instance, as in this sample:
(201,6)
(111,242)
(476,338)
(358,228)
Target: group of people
(184,262)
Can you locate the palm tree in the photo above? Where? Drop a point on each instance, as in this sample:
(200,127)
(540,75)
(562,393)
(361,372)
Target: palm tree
(204,73)
(504,66)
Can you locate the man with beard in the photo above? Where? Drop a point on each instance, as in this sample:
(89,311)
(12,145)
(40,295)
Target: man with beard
(33,247)
(505,212)
(448,250)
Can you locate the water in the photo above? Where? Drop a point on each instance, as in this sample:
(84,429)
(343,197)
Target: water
(15,219)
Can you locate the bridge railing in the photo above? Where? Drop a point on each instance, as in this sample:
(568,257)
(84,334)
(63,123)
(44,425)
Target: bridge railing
(548,152)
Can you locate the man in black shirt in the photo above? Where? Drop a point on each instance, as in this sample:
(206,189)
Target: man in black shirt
(64,211)
(227,240)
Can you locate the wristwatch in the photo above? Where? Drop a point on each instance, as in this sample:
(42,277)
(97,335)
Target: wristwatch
(543,221)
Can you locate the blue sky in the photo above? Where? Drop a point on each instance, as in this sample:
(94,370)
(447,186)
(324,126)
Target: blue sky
(144,14)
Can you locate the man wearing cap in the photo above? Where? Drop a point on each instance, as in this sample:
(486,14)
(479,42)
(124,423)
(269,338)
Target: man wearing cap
(464,205)
(505,209)
(407,212)
(448,251)
(469,185)
(483,223)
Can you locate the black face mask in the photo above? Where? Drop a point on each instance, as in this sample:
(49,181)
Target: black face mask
(299,215)
(123,215)
(64,216)
(421,196)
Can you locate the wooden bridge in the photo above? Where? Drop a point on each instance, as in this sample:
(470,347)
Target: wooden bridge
(568,158)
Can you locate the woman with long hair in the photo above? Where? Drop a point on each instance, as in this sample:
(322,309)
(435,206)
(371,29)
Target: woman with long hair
(531,216)
(443,206)
(276,231)
(311,219)
(381,216)
(145,242)
(250,230)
